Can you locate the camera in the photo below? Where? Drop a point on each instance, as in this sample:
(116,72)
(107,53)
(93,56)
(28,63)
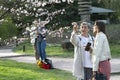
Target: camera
(87,48)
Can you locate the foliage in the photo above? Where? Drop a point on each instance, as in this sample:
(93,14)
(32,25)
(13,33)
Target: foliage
(12,70)
(25,11)
(110,4)
(7,29)
(67,45)
(96,3)
(113,31)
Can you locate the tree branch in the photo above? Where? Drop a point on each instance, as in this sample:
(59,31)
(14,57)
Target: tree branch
(2,16)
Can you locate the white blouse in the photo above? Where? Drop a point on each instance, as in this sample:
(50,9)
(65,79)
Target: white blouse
(101,50)
(87,55)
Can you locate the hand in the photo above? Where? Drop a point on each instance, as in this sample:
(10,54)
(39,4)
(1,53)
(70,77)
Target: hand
(75,28)
(90,50)
(93,76)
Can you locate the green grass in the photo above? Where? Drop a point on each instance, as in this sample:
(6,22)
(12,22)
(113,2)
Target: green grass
(12,70)
(118,73)
(54,50)
(57,51)
(115,50)
(28,48)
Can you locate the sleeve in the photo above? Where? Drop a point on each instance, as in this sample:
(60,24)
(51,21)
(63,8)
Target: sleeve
(97,52)
(74,39)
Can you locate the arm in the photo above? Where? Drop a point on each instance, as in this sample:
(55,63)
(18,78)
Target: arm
(74,37)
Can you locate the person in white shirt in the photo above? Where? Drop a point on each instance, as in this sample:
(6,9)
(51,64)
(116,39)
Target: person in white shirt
(101,51)
(82,67)
(33,37)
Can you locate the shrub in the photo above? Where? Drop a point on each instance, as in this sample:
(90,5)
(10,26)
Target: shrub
(66,44)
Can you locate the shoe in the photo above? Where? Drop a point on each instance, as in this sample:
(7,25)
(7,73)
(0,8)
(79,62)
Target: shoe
(44,61)
(39,63)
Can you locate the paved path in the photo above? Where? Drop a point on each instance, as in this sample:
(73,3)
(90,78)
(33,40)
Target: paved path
(59,63)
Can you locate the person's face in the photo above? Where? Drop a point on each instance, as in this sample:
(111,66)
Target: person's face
(84,29)
(95,29)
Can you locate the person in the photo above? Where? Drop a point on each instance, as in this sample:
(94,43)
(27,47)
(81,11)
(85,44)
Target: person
(33,38)
(87,43)
(42,32)
(101,51)
(82,67)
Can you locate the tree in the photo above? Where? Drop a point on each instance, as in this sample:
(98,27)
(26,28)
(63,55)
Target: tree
(22,12)
(7,29)
(110,4)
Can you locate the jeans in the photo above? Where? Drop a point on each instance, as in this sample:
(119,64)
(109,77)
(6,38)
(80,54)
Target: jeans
(41,49)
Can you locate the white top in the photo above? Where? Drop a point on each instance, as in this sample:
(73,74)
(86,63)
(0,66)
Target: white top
(33,34)
(87,55)
(101,50)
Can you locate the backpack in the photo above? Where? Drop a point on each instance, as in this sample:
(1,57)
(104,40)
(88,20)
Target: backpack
(47,64)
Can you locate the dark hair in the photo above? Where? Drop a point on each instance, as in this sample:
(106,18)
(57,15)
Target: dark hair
(101,26)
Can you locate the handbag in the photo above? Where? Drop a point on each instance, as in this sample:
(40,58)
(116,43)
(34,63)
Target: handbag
(46,65)
(49,61)
(99,76)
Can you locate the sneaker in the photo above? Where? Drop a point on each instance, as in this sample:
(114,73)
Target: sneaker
(39,63)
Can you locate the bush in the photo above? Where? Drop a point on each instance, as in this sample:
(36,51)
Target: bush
(66,44)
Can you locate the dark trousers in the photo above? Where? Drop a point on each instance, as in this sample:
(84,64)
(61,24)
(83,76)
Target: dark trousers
(87,73)
(36,50)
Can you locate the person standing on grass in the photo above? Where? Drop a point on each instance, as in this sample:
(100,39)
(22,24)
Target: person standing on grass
(101,52)
(82,67)
(42,32)
(33,38)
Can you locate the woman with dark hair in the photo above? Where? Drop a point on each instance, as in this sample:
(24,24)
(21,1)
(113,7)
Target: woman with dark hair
(101,51)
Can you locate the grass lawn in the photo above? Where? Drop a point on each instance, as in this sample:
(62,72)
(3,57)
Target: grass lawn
(54,51)
(115,50)
(12,70)
(57,51)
